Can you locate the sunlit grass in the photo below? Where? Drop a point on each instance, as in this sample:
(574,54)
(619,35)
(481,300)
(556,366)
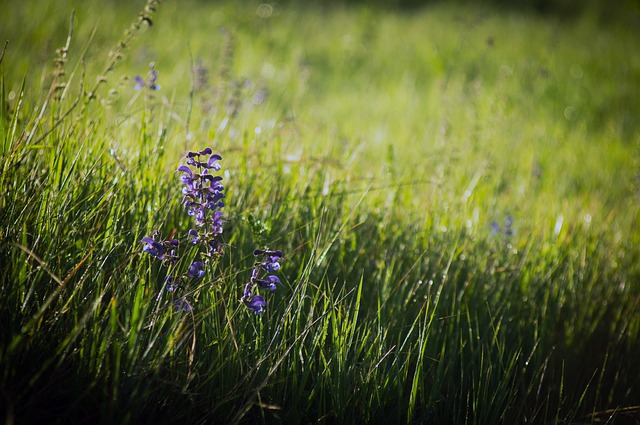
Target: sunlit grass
(375,149)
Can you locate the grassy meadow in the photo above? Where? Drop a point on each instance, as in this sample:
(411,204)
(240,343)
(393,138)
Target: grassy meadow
(455,190)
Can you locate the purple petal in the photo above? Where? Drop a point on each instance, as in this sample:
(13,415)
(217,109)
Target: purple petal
(212,162)
(257,304)
(272,279)
(186,170)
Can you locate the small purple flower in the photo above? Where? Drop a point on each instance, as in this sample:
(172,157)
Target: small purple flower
(196,270)
(170,285)
(140,82)
(153,248)
(153,77)
(270,263)
(216,223)
(181,303)
(508,229)
(257,304)
(158,249)
(195,237)
(507,224)
(187,179)
(269,283)
(214,247)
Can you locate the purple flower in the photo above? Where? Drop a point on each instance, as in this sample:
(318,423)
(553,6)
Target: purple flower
(247,291)
(158,249)
(214,247)
(187,179)
(140,82)
(270,263)
(257,304)
(508,230)
(202,191)
(196,270)
(508,222)
(153,77)
(203,199)
(195,237)
(153,248)
(169,282)
(216,223)
(181,303)
(213,162)
(495,227)
(269,283)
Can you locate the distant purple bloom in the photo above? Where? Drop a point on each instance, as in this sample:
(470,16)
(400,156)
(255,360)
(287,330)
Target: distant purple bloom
(495,227)
(507,224)
(140,82)
(508,229)
(153,77)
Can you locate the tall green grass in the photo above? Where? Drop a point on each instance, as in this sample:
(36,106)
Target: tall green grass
(375,149)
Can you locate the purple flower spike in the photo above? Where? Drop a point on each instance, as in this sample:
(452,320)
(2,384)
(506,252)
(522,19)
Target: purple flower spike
(257,304)
(270,263)
(153,77)
(202,199)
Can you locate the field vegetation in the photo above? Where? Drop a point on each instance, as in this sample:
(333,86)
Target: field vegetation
(454,188)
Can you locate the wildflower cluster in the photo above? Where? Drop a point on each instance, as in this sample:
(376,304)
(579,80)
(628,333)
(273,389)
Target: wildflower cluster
(270,263)
(203,200)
